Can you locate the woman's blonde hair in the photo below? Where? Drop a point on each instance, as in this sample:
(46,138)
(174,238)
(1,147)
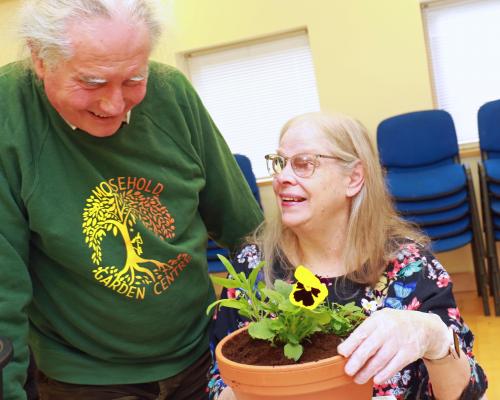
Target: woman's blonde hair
(374,231)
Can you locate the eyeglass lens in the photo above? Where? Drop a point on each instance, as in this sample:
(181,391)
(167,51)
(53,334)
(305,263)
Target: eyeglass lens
(302,164)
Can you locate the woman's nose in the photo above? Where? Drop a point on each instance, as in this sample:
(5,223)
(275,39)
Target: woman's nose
(286,175)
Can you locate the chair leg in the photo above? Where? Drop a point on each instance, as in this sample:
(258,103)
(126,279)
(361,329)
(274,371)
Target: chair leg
(481,281)
(492,256)
(477,245)
(481,277)
(495,283)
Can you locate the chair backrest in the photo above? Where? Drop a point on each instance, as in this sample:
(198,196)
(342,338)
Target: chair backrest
(214,265)
(417,139)
(488,122)
(246,168)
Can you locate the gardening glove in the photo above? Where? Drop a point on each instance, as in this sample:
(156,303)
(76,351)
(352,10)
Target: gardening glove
(389,340)
(227,394)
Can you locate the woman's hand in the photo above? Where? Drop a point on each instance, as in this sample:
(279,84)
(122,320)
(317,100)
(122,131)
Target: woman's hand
(227,394)
(389,340)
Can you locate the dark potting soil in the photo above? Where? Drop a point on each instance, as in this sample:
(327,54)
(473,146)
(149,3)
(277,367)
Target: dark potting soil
(246,350)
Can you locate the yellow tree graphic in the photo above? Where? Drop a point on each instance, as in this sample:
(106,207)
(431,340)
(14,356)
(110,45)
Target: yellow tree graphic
(117,212)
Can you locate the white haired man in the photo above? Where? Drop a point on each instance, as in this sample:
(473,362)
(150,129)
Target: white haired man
(111,175)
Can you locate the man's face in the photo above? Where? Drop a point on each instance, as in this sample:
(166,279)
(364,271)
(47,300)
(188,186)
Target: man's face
(103,80)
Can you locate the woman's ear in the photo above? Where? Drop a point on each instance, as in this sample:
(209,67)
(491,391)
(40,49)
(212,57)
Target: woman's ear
(356,180)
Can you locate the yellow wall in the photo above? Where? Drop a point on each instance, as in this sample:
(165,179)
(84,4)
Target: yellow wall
(8,43)
(369,56)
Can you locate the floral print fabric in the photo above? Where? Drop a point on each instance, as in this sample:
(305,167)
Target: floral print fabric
(413,280)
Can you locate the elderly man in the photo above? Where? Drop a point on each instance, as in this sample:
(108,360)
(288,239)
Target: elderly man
(111,175)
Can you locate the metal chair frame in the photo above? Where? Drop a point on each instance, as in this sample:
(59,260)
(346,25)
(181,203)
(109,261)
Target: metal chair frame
(491,249)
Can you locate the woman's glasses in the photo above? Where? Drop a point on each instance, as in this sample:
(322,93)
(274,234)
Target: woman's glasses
(303,164)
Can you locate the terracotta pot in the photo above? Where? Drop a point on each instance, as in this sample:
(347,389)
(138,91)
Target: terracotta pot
(320,380)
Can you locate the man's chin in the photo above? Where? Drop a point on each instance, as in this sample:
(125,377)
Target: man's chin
(101,131)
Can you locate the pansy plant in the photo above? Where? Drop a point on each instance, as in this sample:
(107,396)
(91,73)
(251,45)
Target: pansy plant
(288,314)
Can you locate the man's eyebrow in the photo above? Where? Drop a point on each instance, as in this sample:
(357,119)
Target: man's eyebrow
(99,81)
(93,79)
(138,77)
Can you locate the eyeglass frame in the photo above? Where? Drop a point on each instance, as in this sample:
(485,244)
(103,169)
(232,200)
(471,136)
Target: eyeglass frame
(273,173)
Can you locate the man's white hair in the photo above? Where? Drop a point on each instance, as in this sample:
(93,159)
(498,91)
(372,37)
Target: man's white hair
(44,23)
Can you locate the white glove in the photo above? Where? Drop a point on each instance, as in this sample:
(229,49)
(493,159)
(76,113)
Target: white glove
(389,340)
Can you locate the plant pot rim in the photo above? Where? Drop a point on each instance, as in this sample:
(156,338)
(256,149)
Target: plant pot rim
(314,380)
(311,365)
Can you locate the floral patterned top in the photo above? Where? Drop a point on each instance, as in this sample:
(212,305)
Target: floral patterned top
(413,280)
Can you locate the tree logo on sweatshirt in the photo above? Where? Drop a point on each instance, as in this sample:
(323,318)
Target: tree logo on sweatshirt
(114,208)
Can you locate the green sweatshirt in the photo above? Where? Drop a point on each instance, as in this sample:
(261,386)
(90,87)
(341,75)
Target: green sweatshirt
(102,240)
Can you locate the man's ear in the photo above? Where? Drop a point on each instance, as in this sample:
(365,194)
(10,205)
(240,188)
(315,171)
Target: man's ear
(38,64)
(356,180)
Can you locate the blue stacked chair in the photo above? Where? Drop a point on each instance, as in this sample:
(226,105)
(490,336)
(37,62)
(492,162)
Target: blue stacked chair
(488,119)
(214,264)
(429,185)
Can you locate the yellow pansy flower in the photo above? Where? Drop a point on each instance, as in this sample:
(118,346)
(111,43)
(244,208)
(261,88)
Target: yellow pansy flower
(308,291)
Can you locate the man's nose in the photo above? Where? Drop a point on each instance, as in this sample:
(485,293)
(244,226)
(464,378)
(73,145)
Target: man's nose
(112,102)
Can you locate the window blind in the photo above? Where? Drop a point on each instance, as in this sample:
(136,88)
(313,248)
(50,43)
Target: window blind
(465,57)
(252,90)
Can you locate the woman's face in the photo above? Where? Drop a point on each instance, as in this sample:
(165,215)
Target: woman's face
(314,203)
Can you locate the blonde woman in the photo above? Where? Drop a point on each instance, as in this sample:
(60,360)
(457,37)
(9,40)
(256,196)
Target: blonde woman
(336,218)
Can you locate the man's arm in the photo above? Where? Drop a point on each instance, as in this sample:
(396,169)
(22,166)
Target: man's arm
(15,288)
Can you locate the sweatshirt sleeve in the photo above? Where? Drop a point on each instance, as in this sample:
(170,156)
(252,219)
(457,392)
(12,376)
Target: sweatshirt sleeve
(227,205)
(15,286)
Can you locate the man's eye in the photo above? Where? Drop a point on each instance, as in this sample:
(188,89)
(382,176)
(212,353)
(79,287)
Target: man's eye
(133,82)
(92,84)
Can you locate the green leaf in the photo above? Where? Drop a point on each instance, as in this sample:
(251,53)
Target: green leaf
(228,266)
(337,326)
(276,324)
(323,317)
(261,329)
(292,338)
(268,307)
(293,351)
(227,283)
(231,303)
(283,287)
(287,307)
(253,275)
(273,295)
(246,313)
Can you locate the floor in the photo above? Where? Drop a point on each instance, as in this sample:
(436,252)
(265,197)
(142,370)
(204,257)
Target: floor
(486,331)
